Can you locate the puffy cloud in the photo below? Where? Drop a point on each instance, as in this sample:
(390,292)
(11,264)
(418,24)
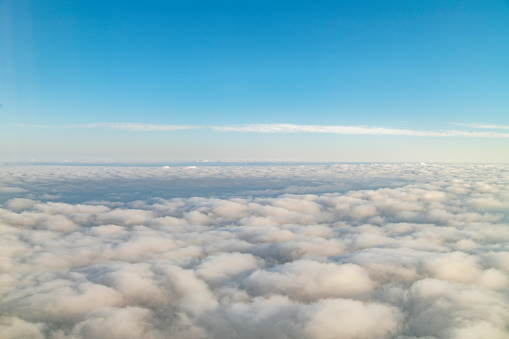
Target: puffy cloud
(307,280)
(225,268)
(19,204)
(446,309)
(455,266)
(349,319)
(356,251)
(14,327)
(121,323)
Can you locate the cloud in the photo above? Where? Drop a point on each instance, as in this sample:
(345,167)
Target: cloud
(483,126)
(397,251)
(127,126)
(345,318)
(355,130)
(14,327)
(121,323)
(293,128)
(306,280)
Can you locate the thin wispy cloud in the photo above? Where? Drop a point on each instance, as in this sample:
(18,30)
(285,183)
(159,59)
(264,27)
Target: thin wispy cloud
(293,128)
(483,126)
(355,130)
(147,127)
(126,126)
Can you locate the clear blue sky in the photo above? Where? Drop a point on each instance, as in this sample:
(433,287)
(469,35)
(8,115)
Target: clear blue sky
(71,71)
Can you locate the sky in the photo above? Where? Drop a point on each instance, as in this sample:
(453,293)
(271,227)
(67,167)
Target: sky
(340,81)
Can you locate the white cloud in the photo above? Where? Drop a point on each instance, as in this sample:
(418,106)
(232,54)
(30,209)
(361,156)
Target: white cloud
(350,319)
(401,251)
(355,130)
(14,327)
(127,126)
(117,323)
(483,126)
(306,280)
(293,128)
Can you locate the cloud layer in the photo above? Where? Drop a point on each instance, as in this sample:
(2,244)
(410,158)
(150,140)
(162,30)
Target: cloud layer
(293,128)
(334,251)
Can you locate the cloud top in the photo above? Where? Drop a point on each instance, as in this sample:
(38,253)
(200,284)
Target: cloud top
(413,251)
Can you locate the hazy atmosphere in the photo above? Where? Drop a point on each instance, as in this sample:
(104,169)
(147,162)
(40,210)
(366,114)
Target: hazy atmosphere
(254,169)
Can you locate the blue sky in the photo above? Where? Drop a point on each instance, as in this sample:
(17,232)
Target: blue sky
(71,72)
